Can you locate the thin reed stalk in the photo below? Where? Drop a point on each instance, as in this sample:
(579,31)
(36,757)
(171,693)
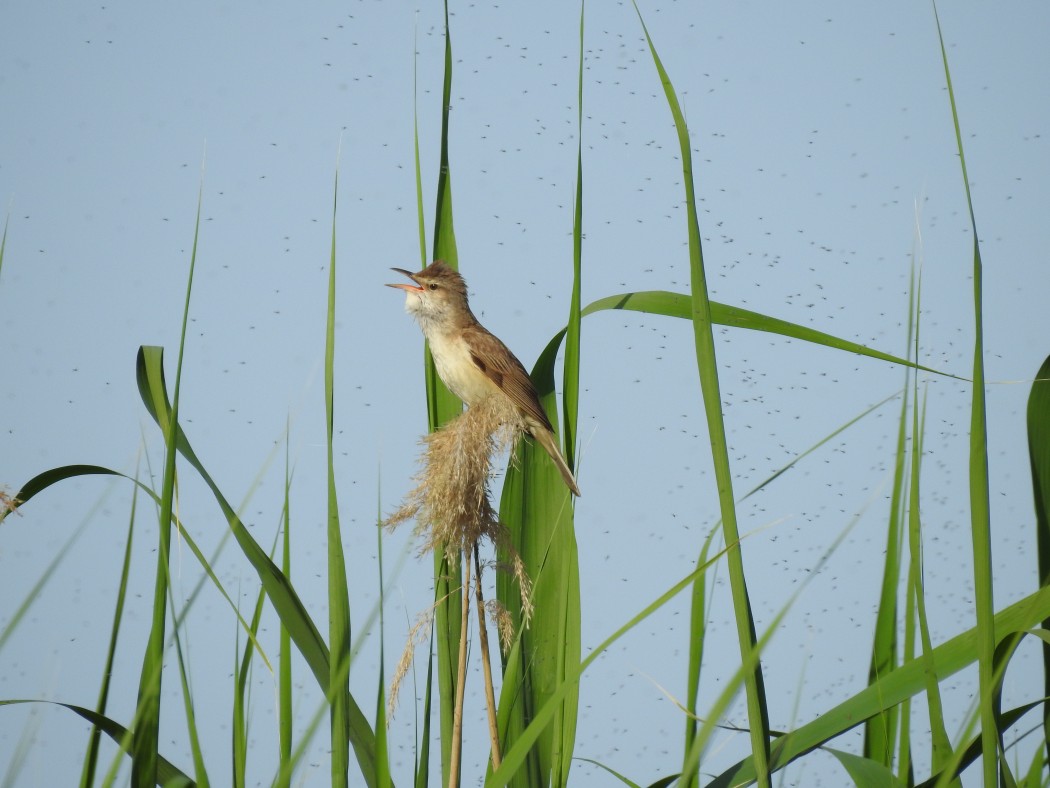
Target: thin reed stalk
(483,641)
(461,682)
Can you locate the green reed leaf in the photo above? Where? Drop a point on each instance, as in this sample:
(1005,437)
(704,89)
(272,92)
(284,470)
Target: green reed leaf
(1038,417)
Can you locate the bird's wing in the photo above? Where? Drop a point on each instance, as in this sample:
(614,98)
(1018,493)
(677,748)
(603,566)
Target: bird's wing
(501,367)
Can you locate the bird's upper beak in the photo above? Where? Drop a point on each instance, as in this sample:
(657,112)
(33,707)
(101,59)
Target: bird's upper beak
(415,288)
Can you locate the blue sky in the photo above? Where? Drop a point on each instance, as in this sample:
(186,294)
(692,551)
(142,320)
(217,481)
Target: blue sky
(825,164)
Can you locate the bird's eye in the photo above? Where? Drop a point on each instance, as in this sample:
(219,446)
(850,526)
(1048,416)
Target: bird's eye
(433,286)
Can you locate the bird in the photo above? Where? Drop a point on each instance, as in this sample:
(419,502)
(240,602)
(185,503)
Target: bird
(471,361)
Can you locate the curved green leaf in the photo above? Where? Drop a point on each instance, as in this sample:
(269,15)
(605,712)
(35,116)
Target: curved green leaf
(865,771)
(1039,457)
(167,773)
(907,680)
(663,302)
(42,481)
(973,750)
(286,602)
(711,398)
(517,753)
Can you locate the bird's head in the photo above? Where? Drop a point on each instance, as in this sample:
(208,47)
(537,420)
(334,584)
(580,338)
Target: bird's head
(437,296)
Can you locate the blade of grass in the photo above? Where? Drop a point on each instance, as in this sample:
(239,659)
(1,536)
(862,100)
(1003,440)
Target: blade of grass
(972,751)
(980,517)
(880,732)
(422,770)
(949,658)
(707,364)
(338,592)
(34,593)
(611,771)
(829,437)
(282,595)
(284,676)
(44,480)
(698,613)
(718,709)
(20,753)
(866,771)
(443,405)
(517,754)
(905,766)
(535,506)
(167,773)
(422,766)
(242,690)
(697,633)
(1004,650)
(382,755)
(538,511)
(694,755)
(941,746)
(366,756)
(571,380)
(87,775)
(1035,769)
(178,617)
(662,302)
(144,760)
(1038,418)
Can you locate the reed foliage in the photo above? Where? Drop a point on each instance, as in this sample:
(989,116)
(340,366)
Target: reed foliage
(536,697)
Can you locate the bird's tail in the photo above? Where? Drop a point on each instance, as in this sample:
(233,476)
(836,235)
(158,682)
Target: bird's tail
(546,439)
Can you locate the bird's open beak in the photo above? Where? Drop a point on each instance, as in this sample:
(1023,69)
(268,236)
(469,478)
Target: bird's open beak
(416,288)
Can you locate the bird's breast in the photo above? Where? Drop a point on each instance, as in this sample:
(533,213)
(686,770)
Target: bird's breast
(457,369)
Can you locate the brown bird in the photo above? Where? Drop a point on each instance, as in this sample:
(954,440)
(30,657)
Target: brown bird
(472,362)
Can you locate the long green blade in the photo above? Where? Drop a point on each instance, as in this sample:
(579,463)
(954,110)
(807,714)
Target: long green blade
(662,302)
(866,771)
(422,776)
(443,405)
(538,510)
(338,593)
(1038,417)
(703,334)
(144,760)
(940,745)
(980,515)
(241,694)
(87,776)
(284,675)
(168,775)
(698,612)
(571,384)
(908,680)
(282,595)
(517,754)
(880,732)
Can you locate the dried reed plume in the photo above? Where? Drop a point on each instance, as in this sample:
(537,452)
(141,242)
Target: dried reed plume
(416,636)
(453,511)
(8,504)
(450,503)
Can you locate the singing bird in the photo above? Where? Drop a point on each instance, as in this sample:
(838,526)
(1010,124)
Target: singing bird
(472,362)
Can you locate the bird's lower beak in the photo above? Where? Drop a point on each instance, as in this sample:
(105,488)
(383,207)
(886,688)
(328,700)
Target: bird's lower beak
(413,288)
